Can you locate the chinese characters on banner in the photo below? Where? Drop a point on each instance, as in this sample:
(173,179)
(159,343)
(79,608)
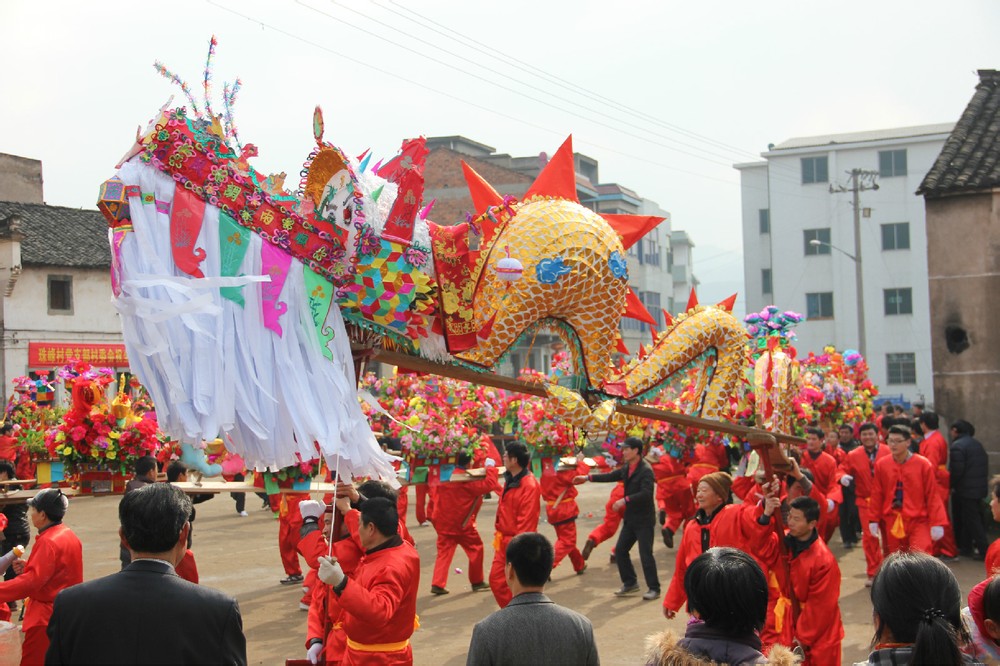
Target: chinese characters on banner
(50,354)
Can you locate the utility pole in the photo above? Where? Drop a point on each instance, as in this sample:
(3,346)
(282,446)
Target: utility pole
(861,181)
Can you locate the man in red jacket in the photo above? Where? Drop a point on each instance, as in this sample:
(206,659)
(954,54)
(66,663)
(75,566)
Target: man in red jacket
(380,599)
(674,498)
(517,512)
(55,563)
(561,510)
(859,467)
(815,580)
(458,504)
(905,497)
(824,470)
(325,638)
(708,457)
(934,447)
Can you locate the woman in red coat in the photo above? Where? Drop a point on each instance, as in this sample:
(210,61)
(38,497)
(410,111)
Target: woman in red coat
(55,563)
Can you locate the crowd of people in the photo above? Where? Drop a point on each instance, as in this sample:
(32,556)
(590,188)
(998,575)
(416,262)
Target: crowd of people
(753,569)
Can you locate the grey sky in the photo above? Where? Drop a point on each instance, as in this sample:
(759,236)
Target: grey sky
(666,95)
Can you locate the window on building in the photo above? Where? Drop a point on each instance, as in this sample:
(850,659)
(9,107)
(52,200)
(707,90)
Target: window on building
(901,368)
(651,299)
(670,260)
(814,170)
(60,294)
(891,163)
(764,215)
(765,280)
(651,250)
(819,305)
(821,235)
(896,236)
(898,301)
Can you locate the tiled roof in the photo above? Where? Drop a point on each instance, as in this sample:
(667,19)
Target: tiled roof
(57,236)
(970,159)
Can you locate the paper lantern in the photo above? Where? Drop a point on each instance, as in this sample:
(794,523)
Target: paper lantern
(509,269)
(113,202)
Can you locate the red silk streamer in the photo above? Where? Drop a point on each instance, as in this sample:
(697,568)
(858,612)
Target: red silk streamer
(186,216)
(406,169)
(399,224)
(453,270)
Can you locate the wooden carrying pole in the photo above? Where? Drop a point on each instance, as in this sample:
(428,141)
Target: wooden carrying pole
(417,364)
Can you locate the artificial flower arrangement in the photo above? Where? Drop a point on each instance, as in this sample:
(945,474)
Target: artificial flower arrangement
(835,388)
(94,432)
(294,476)
(434,417)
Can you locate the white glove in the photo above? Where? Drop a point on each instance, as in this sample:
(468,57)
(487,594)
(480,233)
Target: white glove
(314,651)
(873,528)
(490,463)
(937,532)
(330,571)
(846,480)
(830,506)
(311,509)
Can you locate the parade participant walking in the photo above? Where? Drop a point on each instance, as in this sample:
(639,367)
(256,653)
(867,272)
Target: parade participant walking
(289,528)
(517,513)
(206,623)
(716,523)
(850,521)
(458,505)
(532,629)
(380,600)
(969,474)
(561,510)
(187,568)
(824,470)
(674,498)
(639,518)
(55,563)
(859,469)
(145,474)
(612,516)
(815,581)
(708,457)
(325,637)
(905,498)
(934,447)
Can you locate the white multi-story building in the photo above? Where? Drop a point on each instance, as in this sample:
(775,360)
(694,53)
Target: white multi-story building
(798,209)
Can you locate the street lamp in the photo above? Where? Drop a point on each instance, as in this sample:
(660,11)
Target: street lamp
(858,283)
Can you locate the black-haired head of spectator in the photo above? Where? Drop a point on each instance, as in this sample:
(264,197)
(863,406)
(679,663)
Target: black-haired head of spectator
(962,428)
(154,522)
(373,488)
(727,591)
(916,601)
(930,420)
(529,562)
(516,455)
(176,471)
(145,468)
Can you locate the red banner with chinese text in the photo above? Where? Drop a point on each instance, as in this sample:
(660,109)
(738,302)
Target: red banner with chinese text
(51,354)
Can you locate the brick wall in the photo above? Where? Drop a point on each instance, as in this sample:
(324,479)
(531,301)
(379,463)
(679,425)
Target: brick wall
(444,181)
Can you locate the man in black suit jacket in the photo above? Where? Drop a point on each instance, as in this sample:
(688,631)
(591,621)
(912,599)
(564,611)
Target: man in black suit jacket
(123,618)
(639,519)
